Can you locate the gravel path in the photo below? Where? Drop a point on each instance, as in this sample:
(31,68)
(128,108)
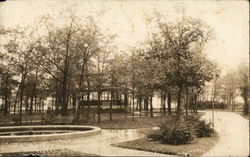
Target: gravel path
(98,144)
(233,131)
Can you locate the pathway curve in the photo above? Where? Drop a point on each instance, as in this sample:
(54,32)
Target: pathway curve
(233,131)
(98,144)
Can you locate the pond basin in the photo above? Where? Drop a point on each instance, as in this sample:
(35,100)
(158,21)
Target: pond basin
(45,132)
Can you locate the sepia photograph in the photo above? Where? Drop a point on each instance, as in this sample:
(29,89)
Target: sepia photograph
(124,78)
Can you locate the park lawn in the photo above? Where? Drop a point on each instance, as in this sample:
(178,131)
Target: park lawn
(120,121)
(54,153)
(196,148)
(127,123)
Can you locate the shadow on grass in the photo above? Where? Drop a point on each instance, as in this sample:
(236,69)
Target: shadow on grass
(196,148)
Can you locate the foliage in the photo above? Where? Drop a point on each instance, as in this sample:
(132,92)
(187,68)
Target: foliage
(233,84)
(72,59)
(172,132)
(178,47)
(204,130)
(244,85)
(209,105)
(200,127)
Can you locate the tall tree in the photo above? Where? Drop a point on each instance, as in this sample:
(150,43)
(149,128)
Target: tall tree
(243,78)
(180,47)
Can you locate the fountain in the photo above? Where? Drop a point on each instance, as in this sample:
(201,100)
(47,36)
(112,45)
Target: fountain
(45,132)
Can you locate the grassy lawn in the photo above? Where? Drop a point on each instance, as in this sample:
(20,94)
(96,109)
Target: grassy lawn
(120,121)
(55,153)
(196,148)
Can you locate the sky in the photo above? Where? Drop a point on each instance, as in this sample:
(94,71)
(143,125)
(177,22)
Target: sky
(126,18)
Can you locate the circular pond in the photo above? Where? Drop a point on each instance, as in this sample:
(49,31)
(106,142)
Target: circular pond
(45,132)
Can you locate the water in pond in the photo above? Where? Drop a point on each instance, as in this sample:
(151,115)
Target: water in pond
(31,132)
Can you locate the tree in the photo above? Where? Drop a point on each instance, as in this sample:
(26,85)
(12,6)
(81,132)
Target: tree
(18,52)
(64,52)
(230,84)
(179,46)
(243,77)
(6,77)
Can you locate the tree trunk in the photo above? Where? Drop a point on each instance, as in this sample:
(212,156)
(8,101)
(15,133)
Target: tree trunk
(31,103)
(99,107)
(146,103)
(64,94)
(68,96)
(140,103)
(111,103)
(164,102)
(245,98)
(137,104)
(32,98)
(21,101)
(126,100)
(195,103)
(133,105)
(6,95)
(18,90)
(74,104)
(187,101)
(246,108)
(169,104)
(26,105)
(58,98)
(179,110)
(151,106)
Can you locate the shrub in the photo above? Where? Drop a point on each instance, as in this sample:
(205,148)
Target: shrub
(180,134)
(203,129)
(155,135)
(172,132)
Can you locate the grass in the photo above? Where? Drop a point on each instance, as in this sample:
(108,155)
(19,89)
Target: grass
(196,148)
(54,153)
(122,122)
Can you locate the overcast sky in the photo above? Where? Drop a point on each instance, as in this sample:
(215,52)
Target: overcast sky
(229,19)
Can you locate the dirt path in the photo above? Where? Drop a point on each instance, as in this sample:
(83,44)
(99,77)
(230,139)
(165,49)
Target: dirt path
(233,133)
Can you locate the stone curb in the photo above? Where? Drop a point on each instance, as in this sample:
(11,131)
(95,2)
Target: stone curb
(80,132)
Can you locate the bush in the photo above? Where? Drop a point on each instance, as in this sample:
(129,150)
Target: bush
(204,130)
(172,132)
(209,104)
(155,135)
(180,134)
